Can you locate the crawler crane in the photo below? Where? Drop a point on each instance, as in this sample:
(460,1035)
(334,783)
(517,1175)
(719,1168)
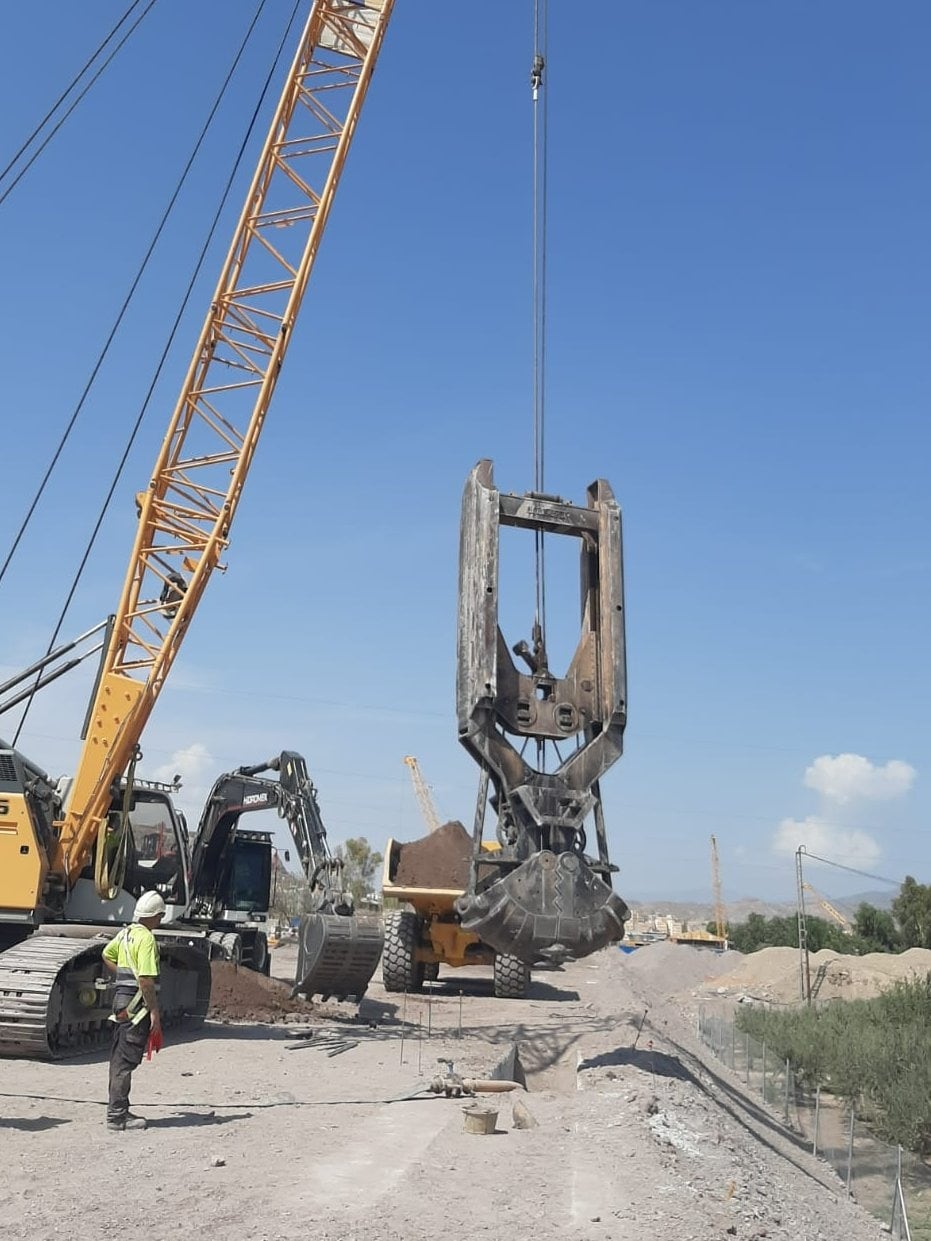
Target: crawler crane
(73,856)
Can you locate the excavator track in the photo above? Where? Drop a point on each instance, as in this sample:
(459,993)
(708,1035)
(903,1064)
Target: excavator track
(52,1003)
(337,955)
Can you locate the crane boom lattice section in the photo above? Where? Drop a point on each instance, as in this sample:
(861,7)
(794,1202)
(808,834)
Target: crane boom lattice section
(422,793)
(720,916)
(186,512)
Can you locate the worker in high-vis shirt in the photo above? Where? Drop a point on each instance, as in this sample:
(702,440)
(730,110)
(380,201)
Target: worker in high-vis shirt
(132,956)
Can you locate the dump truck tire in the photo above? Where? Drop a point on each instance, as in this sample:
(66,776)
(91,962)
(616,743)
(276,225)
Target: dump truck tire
(512,977)
(400,971)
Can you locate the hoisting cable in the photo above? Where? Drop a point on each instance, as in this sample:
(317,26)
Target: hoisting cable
(46,672)
(538,98)
(64,95)
(171,335)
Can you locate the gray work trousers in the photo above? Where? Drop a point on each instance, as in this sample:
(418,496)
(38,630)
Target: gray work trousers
(126,1052)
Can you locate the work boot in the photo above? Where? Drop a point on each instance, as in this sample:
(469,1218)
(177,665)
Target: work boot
(128,1122)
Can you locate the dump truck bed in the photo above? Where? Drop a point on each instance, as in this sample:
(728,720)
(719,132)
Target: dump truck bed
(427,900)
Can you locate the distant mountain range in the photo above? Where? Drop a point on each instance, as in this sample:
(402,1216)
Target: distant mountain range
(699,910)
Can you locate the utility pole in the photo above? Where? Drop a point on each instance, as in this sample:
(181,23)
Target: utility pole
(804,966)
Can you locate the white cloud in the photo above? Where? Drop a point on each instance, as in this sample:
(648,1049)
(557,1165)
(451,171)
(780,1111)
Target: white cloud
(849,846)
(196,767)
(842,778)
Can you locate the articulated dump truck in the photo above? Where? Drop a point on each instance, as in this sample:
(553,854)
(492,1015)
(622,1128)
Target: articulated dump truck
(428,876)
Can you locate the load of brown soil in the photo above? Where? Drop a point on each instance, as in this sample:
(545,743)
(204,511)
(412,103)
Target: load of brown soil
(440,860)
(243,995)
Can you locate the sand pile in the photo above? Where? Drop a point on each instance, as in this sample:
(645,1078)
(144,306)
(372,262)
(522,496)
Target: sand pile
(772,974)
(670,968)
(243,995)
(440,860)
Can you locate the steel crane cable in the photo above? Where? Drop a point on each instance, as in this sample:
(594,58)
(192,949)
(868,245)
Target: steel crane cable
(538,98)
(172,333)
(65,93)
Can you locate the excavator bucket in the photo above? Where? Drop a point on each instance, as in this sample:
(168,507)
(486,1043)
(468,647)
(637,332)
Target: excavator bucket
(337,955)
(541,896)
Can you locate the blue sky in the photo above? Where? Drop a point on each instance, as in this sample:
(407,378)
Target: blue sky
(739,307)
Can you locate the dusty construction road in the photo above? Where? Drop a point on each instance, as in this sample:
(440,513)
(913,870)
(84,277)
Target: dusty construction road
(250,1140)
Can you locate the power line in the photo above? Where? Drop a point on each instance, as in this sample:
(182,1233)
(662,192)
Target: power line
(538,98)
(896,883)
(123,309)
(25,168)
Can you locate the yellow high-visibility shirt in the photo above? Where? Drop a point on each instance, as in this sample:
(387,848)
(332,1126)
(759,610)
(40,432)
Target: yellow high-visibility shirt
(134,952)
(136,949)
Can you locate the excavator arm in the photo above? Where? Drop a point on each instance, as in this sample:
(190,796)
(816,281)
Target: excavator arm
(294,798)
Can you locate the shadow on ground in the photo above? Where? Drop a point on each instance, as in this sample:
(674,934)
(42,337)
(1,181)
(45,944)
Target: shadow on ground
(192,1119)
(34,1124)
(451,985)
(643,1058)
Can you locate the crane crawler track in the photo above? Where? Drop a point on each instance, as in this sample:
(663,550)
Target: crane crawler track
(52,1006)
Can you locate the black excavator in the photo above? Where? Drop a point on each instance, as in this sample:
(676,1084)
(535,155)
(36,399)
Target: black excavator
(231,882)
(541,897)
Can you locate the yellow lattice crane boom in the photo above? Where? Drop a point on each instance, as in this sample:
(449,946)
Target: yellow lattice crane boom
(422,793)
(720,917)
(831,910)
(187,509)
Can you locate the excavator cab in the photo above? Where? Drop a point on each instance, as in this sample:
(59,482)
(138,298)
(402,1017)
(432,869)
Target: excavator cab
(541,896)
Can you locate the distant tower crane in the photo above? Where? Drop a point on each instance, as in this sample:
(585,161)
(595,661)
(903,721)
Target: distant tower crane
(720,918)
(422,792)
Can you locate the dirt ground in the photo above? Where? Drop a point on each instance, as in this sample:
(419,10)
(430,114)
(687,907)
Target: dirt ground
(255,1132)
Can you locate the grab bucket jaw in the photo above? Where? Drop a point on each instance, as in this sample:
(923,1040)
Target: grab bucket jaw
(552,907)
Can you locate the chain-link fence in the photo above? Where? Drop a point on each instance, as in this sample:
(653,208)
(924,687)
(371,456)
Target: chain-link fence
(893,1184)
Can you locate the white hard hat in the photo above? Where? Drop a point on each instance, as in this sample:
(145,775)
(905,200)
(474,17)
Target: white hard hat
(149,905)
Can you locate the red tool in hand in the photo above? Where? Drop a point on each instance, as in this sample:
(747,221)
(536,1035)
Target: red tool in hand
(154,1044)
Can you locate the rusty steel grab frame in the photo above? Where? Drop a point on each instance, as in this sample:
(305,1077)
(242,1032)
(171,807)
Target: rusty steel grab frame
(541,895)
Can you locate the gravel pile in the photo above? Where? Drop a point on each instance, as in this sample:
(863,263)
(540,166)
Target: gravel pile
(676,967)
